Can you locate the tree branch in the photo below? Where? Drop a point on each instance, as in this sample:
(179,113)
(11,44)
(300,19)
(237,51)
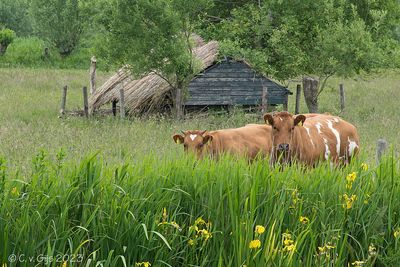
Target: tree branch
(324,83)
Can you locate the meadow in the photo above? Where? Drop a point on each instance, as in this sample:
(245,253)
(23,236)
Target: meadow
(120,192)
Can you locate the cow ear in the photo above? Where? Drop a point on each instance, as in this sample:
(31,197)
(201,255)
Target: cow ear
(207,139)
(269,119)
(299,120)
(178,138)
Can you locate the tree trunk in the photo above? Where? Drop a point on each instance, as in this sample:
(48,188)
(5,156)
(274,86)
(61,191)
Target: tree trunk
(178,101)
(310,89)
(2,49)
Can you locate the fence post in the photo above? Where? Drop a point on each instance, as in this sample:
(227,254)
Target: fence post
(93,62)
(342,97)
(298,96)
(114,107)
(285,103)
(122,102)
(264,100)
(63,99)
(380,149)
(85,101)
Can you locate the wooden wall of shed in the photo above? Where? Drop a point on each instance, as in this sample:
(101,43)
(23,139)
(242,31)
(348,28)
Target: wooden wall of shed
(232,83)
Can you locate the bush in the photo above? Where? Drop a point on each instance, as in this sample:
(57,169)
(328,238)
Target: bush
(25,51)
(6,38)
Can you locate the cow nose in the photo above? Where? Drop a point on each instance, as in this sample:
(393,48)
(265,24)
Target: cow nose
(283,147)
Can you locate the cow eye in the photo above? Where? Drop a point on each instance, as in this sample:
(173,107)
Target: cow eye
(276,129)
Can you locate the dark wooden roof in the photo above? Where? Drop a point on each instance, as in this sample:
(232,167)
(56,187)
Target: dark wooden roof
(232,83)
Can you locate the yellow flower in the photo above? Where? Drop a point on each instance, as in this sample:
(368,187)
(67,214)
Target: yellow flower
(144,264)
(372,250)
(396,233)
(289,248)
(15,191)
(64,264)
(255,244)
(366,200)
(204,233)
(324,249)
(364,166)
(304,220)
(260,229)
(191,242)
(288,243)
(349,201)
(351,177)
(199,221)
(358,263)
(174,224)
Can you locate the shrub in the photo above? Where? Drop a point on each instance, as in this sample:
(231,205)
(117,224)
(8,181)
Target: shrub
(6,38)
(25,51)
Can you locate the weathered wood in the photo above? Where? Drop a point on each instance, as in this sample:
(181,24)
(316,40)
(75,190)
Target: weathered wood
(122,102)
(114,107)
(380,149)
(342,97)
(92,71)
(85,101)
(310,89)
(298,96)
(285,103)
(63,99)
(264,99)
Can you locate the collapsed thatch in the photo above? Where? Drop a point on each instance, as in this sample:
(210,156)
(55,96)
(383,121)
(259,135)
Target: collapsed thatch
(149,92)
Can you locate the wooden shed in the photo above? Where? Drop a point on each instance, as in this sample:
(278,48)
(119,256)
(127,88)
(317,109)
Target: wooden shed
(231,83)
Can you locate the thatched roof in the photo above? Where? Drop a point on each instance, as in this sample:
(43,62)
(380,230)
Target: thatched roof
(148,92)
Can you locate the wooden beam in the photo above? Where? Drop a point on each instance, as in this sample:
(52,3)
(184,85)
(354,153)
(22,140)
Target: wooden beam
(85,101)
(298,96)
(63,100)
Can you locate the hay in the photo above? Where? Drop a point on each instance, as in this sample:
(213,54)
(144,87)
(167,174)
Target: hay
(150,92)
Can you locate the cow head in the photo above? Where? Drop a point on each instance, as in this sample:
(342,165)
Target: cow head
(193,141)
(283,128)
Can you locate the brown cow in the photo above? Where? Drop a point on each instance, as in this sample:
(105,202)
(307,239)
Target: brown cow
(311,137)
(248,141)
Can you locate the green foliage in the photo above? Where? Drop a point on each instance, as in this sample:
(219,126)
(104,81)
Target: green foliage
(183,212)
(14,14)
(316,38)
(154,35)
(60,22)
(25,51)
(6,38)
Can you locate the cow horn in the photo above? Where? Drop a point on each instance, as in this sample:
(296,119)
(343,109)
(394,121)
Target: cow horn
(182,131)
(202,132)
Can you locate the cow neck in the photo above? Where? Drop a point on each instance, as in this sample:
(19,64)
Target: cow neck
(213,146)
(299,140)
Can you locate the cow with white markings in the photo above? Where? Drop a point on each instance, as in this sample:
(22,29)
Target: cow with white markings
(309,138)
(248,141)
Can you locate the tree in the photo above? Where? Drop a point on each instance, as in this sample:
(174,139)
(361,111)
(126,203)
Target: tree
(312,38)
(14,15)
(6,38)
(152,35)
(60,22)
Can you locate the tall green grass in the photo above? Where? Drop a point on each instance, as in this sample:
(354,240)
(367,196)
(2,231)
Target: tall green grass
(147,212)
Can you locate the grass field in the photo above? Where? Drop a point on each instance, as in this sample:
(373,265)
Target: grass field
(96,189)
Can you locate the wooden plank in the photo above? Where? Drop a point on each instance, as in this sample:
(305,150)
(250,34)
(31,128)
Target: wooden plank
(92,72)
(229,75)
(63,99)
(342,97)
(85,101)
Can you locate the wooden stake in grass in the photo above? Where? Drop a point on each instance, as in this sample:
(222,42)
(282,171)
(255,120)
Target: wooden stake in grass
(380,149)
(93,62)
(122,102)
(298,95)
(342,97)
(85,101)
(114,107)
(63,100)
